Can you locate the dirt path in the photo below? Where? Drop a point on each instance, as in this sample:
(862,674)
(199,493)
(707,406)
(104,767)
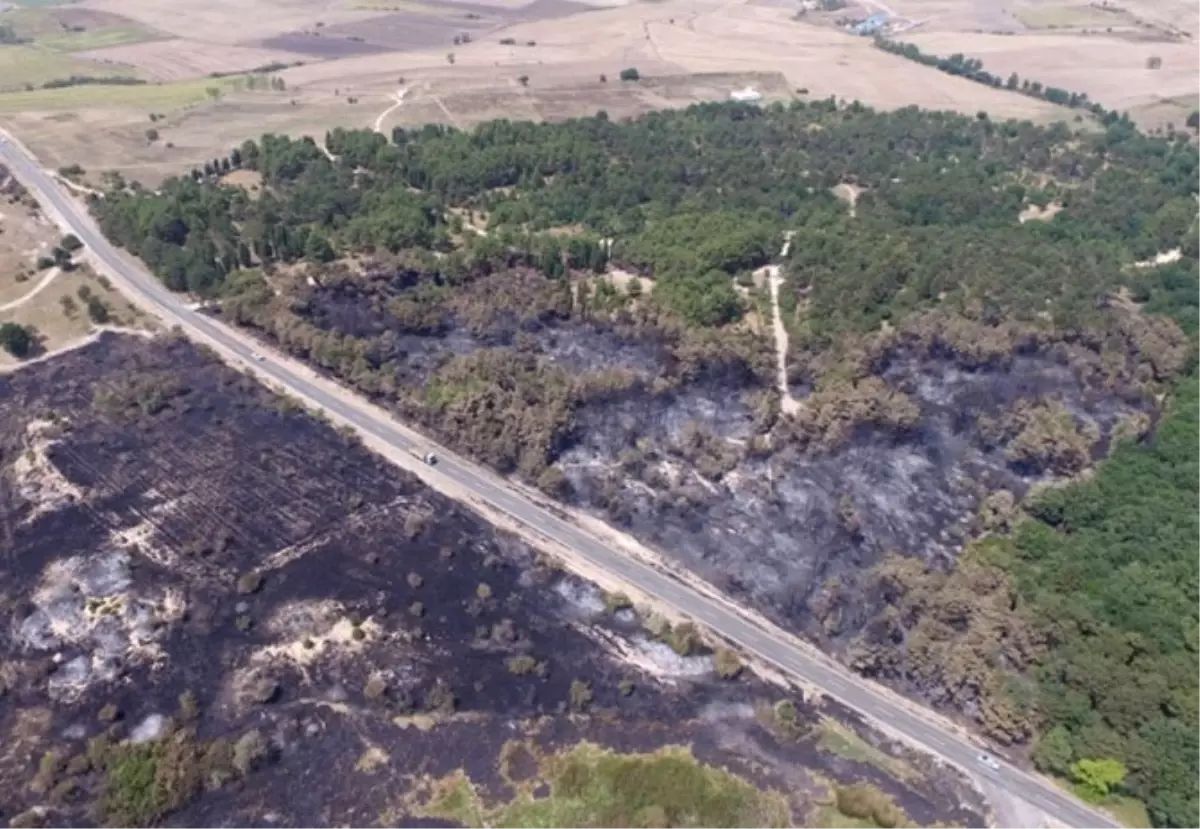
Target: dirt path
(398,97)
(442,106)
(787,403)
(37,289)
(80,188)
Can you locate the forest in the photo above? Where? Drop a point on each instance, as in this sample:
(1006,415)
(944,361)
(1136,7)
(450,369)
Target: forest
(496,235)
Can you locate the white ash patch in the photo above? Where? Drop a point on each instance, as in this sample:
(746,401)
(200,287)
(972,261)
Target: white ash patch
(312,630)
(582,597)
(86,606)
(149,729)
(38,480)
(651,657)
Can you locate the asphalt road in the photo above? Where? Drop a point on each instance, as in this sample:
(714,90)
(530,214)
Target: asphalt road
(770,645)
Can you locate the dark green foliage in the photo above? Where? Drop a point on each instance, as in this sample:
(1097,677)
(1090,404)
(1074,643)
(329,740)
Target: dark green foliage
(972,68)
(1109,569)
(16,339)
(630,74)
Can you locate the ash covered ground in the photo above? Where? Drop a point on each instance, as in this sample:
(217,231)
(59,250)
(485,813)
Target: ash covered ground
(200,579)
(677,437)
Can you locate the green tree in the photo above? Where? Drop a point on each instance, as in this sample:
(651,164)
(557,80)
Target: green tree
(317,248)
(1054,751)
(1095,779)
(630,74)
(16,339)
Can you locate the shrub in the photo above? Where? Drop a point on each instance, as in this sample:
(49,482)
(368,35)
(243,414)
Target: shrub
(522,665)
(726,663)
(581,695)
(616,602)
(630,74)
(865,802)
(70,242)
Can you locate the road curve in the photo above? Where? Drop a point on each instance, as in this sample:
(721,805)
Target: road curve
(768,643)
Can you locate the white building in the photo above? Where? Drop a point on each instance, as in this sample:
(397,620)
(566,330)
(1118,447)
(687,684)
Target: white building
(747,96)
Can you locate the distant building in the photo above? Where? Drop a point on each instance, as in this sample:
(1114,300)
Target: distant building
(871,25)
(747,96)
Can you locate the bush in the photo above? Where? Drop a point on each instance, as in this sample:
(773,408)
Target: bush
(522,665)
(581,695)
(726,663)
(865,802)
(630,74)
(70,242)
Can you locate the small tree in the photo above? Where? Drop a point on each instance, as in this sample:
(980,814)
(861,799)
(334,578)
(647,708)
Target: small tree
(70,242)
(16,339)
(152,135)
(630,74)
(523,80)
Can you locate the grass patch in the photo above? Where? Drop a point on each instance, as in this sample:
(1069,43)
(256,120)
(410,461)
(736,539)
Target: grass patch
(33,66)
(590,786)
(840,740)
(830,818)
(144,96)
(1069,17)
(101,38)
(1129,811)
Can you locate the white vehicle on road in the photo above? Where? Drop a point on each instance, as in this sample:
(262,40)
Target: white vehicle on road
(430,458)
(257,357)
(989,761)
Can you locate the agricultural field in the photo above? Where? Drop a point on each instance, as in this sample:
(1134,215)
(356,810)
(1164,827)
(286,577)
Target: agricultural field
(227,612)
(464,63)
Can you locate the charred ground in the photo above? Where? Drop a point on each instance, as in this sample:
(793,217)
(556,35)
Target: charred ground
(219,609)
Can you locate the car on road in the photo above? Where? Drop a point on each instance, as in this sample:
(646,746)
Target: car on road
(258,357)
(430,458)
(989,761)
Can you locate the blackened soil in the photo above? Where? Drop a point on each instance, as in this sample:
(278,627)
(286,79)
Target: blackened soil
(169,526)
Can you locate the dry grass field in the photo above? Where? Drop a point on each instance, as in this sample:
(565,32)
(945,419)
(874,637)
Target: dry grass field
(48,299)
(342,62)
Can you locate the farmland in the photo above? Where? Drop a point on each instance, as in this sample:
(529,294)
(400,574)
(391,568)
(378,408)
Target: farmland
(462,64)
(384,654)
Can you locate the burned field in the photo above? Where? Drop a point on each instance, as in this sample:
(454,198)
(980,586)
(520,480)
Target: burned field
(217,609)
(675,434)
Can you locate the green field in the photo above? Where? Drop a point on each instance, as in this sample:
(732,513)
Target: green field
(840,740)
(23,66)
(160,97)
(101,38)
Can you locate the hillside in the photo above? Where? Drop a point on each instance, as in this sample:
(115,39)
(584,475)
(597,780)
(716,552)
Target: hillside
(969,327)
